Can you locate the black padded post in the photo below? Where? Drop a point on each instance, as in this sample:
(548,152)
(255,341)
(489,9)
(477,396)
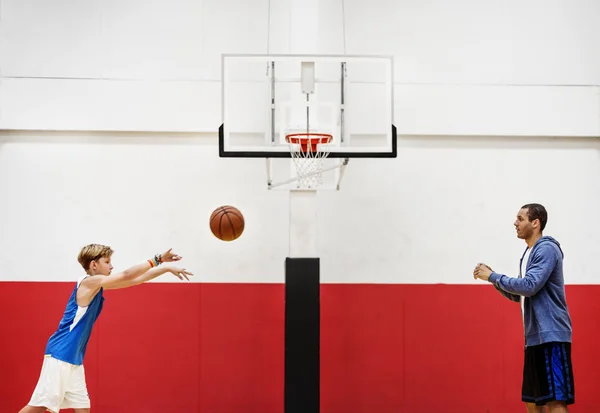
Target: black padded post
(302,335)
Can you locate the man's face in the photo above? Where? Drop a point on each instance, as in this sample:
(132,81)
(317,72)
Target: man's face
(524,227)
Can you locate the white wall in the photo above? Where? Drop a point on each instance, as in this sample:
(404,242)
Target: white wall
(426,217)
(476,67)
(478,85)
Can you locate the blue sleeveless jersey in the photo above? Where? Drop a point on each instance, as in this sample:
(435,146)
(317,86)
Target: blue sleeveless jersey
(70,341)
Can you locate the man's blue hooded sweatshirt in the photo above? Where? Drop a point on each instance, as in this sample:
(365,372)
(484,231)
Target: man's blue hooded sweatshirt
(545,312)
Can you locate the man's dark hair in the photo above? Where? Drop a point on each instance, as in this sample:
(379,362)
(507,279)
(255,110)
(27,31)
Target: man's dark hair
(537,211)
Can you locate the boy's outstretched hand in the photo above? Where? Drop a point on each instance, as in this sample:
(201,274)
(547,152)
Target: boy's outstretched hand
(169,256)
(180,273)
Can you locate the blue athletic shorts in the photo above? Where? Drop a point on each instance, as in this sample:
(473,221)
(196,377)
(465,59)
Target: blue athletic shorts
(548,374)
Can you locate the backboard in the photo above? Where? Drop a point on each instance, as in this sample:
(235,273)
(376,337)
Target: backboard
(268,98)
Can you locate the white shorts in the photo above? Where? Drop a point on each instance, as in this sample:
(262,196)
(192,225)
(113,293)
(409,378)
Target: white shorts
(61,386)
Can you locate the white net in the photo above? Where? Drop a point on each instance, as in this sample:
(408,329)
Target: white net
(309,150)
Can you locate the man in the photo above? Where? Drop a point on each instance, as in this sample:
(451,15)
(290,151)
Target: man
(62,380)
(548,371)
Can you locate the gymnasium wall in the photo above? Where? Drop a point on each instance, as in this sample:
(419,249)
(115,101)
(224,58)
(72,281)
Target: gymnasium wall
(479,68)
(109,113)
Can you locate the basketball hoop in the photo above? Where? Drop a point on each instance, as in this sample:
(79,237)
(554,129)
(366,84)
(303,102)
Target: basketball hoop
(308,156)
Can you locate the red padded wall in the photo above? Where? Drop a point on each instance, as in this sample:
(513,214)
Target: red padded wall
(218,348)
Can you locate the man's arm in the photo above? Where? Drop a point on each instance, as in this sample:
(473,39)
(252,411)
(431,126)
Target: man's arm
(512,297)
(537,274)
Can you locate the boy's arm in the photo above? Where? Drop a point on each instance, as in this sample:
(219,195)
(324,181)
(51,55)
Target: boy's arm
(149,269)
(123,282)
(139,269)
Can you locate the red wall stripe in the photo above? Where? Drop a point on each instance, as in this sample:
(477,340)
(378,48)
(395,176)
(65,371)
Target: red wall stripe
(218,348)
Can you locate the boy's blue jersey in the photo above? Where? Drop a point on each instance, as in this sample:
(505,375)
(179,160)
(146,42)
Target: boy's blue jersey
(70,341)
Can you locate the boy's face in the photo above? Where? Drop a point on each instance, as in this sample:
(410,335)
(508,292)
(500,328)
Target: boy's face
(101,267)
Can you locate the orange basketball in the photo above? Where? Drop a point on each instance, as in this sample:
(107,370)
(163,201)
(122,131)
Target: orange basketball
(227,223)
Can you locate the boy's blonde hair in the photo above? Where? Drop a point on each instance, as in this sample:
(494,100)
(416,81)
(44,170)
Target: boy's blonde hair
(93,252)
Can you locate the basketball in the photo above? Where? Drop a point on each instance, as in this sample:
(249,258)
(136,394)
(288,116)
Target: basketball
(227,223)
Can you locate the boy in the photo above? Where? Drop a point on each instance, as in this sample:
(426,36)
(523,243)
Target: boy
(61,384)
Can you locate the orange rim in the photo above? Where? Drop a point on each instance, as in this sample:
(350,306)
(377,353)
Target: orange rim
(306,140)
